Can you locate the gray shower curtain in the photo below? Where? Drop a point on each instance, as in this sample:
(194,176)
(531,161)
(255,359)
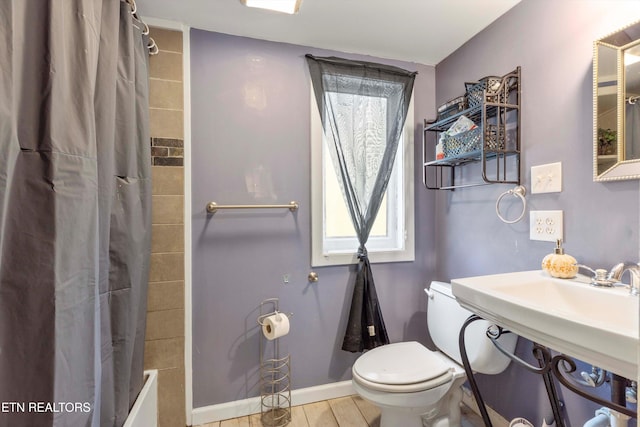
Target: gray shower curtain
(74,211)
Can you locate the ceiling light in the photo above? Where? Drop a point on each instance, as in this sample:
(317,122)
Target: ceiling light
(286,6)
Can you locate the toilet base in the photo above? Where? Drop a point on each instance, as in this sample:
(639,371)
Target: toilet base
(393,417)
(445,411)
(390,417)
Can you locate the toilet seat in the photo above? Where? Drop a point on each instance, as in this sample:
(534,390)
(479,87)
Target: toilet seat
(401,368)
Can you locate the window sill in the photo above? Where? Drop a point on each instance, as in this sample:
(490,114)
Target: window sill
(352,258)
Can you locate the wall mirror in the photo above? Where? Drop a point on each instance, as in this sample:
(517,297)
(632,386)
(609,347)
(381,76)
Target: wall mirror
(616,105)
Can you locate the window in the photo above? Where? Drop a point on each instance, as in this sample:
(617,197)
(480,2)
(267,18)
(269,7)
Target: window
(333,238)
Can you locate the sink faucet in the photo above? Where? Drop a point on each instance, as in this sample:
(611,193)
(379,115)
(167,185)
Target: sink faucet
(634,272)
(599,276)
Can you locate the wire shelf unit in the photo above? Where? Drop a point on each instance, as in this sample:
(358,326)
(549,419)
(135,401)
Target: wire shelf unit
(498,118)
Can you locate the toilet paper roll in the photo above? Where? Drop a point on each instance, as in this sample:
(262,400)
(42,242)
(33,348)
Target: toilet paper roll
(275,326)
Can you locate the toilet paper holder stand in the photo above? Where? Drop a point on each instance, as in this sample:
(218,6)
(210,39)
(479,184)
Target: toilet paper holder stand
(276,311)
(275,375)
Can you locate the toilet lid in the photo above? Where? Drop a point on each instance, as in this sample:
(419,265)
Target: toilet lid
(400,363)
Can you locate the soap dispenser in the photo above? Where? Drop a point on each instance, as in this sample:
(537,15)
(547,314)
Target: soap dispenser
(558,264)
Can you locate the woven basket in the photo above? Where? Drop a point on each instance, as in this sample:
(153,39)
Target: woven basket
(475,91)
(462,143)
(452,107)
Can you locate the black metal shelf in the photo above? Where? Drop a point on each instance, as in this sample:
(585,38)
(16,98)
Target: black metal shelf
(460,159)
(498,110)
(470,157)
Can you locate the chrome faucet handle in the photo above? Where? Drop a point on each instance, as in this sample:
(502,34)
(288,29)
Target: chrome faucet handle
(635,281)
(634,272)
(586,267)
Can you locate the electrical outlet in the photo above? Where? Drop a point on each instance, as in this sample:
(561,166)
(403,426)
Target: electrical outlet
(545,225)
(546,178)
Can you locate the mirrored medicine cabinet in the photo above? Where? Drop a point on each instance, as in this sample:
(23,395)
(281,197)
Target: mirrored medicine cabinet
(616,105)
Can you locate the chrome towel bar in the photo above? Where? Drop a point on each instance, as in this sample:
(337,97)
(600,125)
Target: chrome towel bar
(212,207)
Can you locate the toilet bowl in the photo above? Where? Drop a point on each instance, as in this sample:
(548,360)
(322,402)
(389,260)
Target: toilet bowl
(408,382)
(412,384)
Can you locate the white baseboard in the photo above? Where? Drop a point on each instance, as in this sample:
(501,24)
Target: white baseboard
(244,407)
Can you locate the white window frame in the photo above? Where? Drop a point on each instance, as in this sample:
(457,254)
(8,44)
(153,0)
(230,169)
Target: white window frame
(405,154)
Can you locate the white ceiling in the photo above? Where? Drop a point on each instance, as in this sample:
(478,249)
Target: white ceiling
(423,31)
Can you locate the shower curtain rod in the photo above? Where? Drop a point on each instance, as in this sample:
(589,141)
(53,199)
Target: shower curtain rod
(633,99)
(152,46)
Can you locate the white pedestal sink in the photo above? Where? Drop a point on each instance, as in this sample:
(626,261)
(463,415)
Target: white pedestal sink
(595,325)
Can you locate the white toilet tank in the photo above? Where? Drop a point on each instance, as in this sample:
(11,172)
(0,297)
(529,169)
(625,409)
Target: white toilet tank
(445,318)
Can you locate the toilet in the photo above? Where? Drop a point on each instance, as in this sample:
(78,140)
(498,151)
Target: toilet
(411,383)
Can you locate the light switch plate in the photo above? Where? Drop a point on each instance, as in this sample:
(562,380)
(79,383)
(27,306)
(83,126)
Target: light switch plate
(546,178)
(545,225)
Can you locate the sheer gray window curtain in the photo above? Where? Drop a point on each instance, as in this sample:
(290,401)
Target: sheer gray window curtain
(348,94)
(75,210)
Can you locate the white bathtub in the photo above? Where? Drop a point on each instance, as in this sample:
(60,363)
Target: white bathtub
(144,412)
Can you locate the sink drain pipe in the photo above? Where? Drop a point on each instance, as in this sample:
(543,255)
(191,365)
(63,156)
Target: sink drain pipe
(606,417)
(618,389)
(600,420)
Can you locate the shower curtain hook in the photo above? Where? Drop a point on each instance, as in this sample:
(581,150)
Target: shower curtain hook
(153,47)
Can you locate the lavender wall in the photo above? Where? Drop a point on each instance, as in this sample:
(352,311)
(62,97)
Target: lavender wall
(250,118)
(552,41)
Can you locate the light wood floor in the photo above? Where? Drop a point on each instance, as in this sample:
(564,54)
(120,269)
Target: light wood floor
(351,411)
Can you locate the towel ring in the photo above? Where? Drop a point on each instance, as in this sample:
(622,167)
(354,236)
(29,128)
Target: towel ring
(518,191)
